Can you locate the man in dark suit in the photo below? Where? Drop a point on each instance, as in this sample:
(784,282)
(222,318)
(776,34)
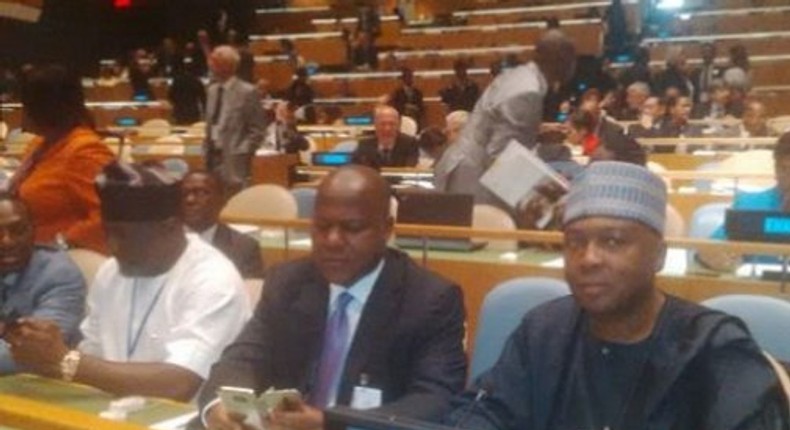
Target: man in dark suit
(202,199)
(354,324)
(389,147)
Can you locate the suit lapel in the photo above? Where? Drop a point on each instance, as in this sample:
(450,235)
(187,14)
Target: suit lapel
(221,238)
(307,337)
(375,325)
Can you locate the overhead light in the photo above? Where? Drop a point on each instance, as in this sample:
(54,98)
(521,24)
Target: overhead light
(670,4)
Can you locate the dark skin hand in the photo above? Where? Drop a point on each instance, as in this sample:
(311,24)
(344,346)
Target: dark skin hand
(546,198)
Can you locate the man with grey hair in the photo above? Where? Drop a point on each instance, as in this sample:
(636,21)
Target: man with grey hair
(510,108)
(235,121)
(619,353)
(635,96)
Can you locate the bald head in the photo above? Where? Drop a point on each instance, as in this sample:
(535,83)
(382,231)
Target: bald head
(555,55)
(357,183)
(386,121)
(351,224)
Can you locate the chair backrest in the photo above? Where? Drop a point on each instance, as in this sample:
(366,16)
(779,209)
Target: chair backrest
(502,311)
(408,126)
(262,201)
(491,217)
(706,219)
(156,127)
(346,146)
(675,224)
(254,288)
(88,262)
(176,166)
(305,201)
(768,319)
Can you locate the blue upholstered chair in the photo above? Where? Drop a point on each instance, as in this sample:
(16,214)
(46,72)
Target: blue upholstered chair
(768,319)
(305,201)
(706,219)
(502,311)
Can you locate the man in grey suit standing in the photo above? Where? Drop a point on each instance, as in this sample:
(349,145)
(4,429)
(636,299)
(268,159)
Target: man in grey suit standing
(510,108)
(235,121)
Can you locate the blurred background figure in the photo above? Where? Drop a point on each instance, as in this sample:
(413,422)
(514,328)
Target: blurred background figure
(57,172)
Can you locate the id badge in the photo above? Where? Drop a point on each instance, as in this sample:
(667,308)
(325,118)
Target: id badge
(365,398)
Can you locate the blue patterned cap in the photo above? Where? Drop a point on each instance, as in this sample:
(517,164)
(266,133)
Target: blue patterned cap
(620,190)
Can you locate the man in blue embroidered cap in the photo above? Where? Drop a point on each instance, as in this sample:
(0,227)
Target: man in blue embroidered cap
(160,311)
(619,353)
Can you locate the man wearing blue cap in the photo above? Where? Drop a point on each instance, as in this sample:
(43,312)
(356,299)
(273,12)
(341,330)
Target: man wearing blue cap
(619,353)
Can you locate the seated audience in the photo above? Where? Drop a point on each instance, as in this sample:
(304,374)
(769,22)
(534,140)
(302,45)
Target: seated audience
(619,147)
(619,353)
(407,99)
(301,95)
(55,178)
(159,313)
(754,122)
(635,96)
(676,123)
(389,147)
(675,79)
(581,128)
(202,200)
(364,53)
(281,134)
(738,74)
(463,92)
(354,319)
(653,113)
(718,104)
(708,71)
(37,281)
(141,70)
(772,199)
(168,59)
(433,143)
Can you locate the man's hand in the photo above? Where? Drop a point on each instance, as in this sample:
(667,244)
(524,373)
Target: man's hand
(295,414)
(38,346)
(218,418)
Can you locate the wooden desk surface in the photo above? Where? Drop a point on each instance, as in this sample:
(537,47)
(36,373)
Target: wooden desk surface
(35,403)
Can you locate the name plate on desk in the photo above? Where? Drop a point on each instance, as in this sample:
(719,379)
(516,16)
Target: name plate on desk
(758,226)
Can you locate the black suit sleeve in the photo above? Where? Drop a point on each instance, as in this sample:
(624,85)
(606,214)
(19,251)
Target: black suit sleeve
(250,263)
(439,362)
(244,362)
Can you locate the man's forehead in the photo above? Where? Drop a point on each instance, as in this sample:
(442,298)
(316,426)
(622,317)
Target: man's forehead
(603,223)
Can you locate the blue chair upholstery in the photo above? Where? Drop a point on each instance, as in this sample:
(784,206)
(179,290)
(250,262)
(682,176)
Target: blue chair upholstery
(346,146)
(706,219)
(502,311)
(176,166)
(305,201)
(768,319)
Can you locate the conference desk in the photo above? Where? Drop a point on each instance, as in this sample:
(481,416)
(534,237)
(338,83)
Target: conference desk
(30,402)
(478,272)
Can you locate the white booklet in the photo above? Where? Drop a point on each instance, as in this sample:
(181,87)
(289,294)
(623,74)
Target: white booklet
(516,172)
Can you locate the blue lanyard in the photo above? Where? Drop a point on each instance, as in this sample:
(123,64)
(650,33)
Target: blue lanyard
(133,340)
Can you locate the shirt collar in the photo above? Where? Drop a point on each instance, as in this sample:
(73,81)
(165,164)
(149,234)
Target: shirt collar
(207,234)
(361,289)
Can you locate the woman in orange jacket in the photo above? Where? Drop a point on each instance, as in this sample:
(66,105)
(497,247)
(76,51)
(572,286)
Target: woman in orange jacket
(56,174)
